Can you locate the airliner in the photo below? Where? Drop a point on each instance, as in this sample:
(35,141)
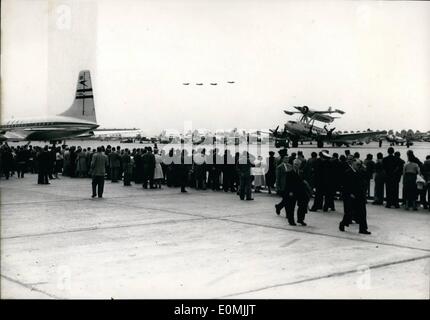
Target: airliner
(78,121)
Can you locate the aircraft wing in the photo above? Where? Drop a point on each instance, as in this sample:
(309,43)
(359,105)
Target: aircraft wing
(354,136)
(11,136)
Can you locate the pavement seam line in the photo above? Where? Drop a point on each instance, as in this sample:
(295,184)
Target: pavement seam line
(335,274)
(95,229)
(31,288)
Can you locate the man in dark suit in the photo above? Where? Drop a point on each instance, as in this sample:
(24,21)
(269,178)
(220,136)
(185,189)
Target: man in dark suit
(228,172)
(271,172)
(281,182)
(138,166)
(214,166)
(391,166)
(295,192)
(43,160)
(148,160)
(324,184)
(115,164)
(184,168)
(126,167)
(98,170)
(398,174)
(244,170)
(355,189)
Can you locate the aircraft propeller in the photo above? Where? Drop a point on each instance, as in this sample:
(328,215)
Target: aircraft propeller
(274,132)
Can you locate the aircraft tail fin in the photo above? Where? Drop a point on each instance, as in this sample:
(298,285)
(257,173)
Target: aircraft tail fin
(83,104)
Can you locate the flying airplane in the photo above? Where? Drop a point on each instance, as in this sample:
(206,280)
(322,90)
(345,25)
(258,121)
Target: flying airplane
(230,81)
(186,83)
(214,84)
(199,84)
(78,121)
(305,130)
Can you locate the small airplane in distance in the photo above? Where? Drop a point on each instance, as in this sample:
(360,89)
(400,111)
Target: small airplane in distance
(186,83)
(199,84)
(214,84)
(305,130)
(230,81)
(78,121)
(395,140)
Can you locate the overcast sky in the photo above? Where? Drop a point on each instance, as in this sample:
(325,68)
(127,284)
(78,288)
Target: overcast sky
(370,59)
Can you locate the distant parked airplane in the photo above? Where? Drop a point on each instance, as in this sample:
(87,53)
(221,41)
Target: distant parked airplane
(304,129)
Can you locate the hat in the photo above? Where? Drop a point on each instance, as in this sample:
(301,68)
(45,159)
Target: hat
(282,152)
(325,154)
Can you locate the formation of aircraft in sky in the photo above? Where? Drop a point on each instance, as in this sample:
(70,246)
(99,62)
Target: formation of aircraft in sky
(201,83)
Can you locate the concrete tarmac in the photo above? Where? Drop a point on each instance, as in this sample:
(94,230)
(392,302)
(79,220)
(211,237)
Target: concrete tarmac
(57,242)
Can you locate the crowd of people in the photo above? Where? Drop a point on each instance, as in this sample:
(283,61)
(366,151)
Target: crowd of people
(324,177)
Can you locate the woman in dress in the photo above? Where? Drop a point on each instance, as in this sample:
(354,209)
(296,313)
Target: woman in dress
(158,171)
(410,172)
(58,162)
(81,164)
(258,171)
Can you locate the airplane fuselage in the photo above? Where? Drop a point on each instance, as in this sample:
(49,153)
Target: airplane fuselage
(303,129)
(46,128)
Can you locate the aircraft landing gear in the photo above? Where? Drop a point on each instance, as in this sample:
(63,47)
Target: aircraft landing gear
(295,143)
(282,144)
